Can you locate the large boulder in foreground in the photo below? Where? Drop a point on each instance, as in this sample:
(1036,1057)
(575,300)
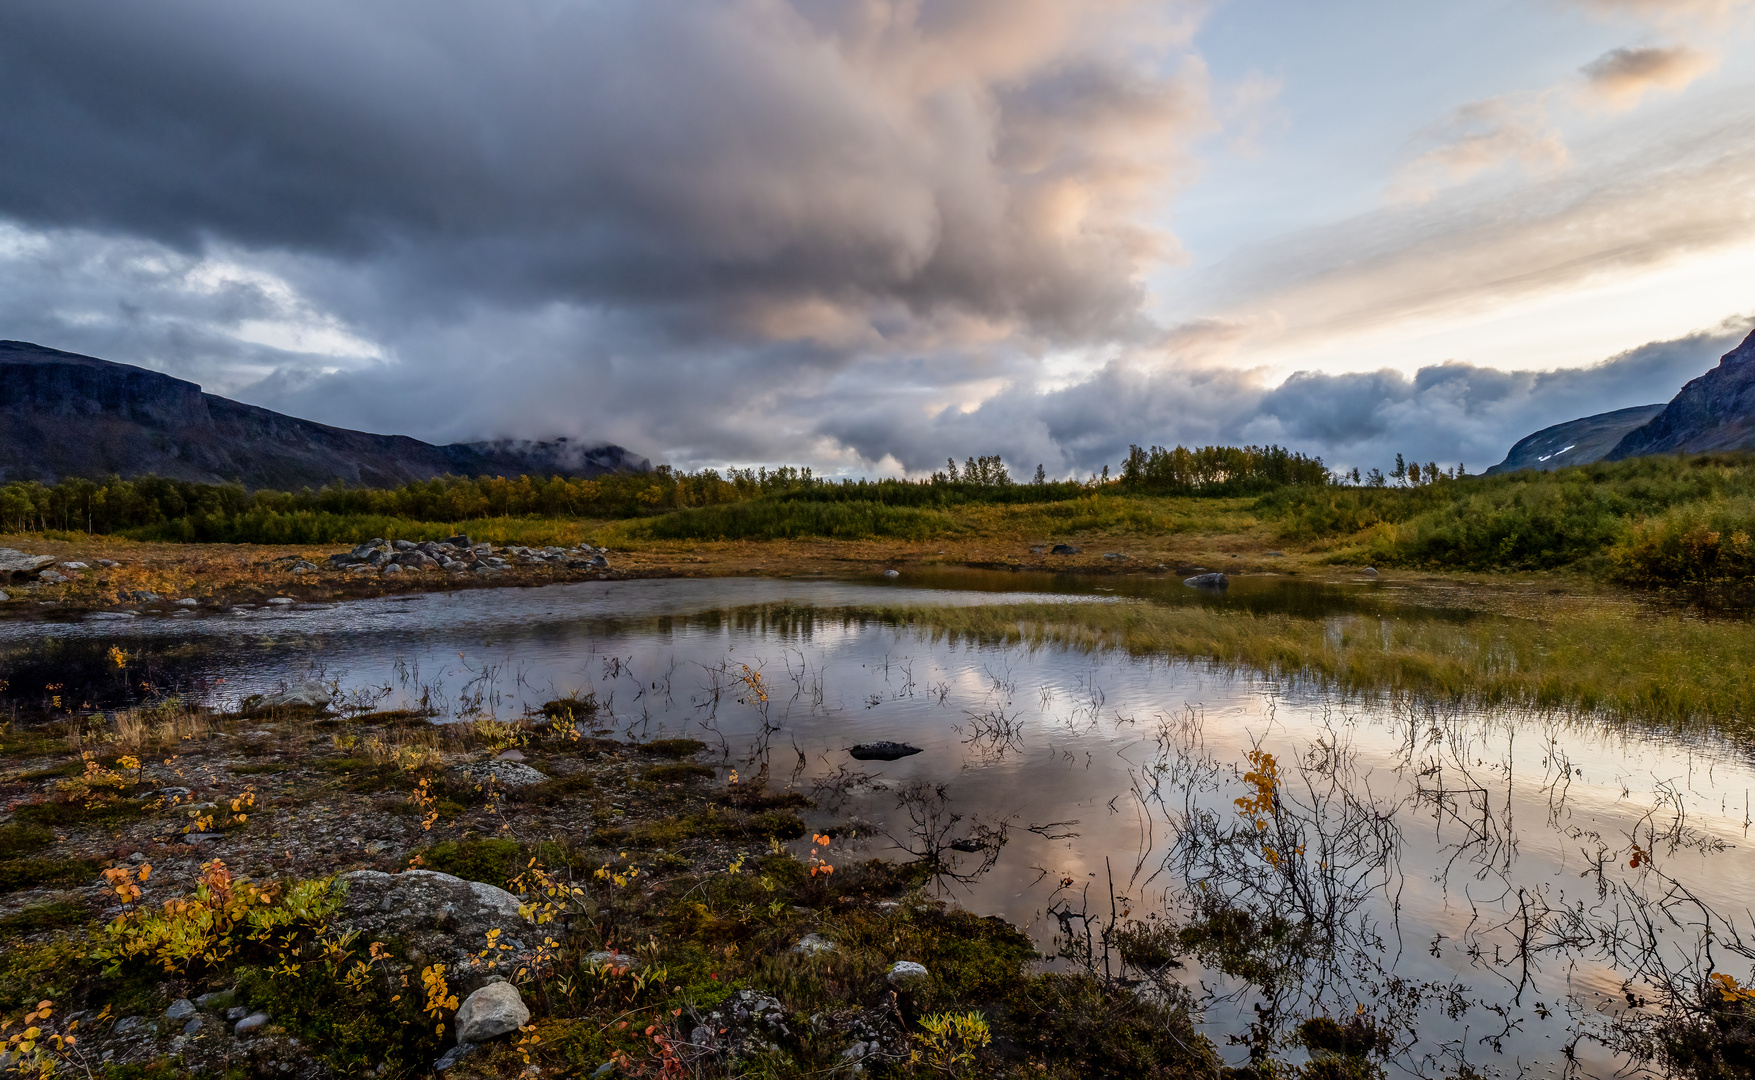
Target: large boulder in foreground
(437,918)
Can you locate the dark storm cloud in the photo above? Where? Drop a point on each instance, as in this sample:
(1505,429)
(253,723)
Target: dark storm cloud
(764,168)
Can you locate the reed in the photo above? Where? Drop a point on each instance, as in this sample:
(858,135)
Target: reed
(1671,670)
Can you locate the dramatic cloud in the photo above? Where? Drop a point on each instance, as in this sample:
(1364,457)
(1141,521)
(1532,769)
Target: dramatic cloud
(782,171)
(1449,412)
(1622,76)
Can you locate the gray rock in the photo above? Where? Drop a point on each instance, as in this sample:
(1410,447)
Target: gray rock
(453,1056)
(378,558)
(391,568)
(597,562)
(109,564)
(1063,549)
(508,774)
(283,600)
(444,918)
(17,562)
(52,578)
(236,1013)
(187,601)
(881,751)
(892,573)
(1208,581)
(1112,555)
(812,944)
(4,598)
(196,839)
(181,1009)
(1369,571)
(129,1024)
(211,998)
(903,970)
(111,616)
(192,1026)
(308,693)
(251,1024)
(461,540)
(74,566)
(402,545)
(494,1010)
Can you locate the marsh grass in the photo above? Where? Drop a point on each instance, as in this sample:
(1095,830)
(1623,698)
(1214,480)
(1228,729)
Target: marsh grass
(1669,670)
(783,519)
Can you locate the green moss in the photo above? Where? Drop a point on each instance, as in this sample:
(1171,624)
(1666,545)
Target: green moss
(680,772)
(709,824)
(42,917)
(17,840)
(674,748)
(17,874)
(498,861)
(65,814)
(66,768)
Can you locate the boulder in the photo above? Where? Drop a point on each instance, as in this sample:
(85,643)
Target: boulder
(391,569)
(251,1024)
(881,751)
(181,1009)
(903,970)
(438,918)
(17,562)
(310,693)
(1063,549)
(494,1010)
(402,545)
(1208,581)
(597,562)
(461,540)
(52,578)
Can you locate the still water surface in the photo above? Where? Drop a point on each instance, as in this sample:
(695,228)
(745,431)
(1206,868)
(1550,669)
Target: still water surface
(1471,870)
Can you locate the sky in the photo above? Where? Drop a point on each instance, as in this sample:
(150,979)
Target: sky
(868,235)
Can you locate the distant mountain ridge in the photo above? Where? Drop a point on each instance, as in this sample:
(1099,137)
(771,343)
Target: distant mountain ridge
(1576,442)
(65,415)
(1713,412)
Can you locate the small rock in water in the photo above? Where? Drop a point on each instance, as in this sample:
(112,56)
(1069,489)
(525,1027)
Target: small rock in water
(892,573)
(283,600)
(494,1010)
(1208,581)
(1063,549)
(187,601)
(882,751)
(1369,571)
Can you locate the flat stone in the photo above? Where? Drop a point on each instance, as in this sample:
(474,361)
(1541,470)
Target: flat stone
(192,1026)
(1208,581)
(17,562)
(251,1024)
(281,600)
(309,693)
(494,1010)
(187,601)
(74,566)
(508,774)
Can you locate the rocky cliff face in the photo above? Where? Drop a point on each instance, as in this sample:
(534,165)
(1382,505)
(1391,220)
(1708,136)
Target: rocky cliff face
(1714,412)
(66,415)
(1576,442)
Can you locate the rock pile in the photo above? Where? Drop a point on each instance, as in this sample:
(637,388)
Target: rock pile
(457,555)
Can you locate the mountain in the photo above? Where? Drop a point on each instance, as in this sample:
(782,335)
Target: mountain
(1713,412)
(66,415)
(1576,442)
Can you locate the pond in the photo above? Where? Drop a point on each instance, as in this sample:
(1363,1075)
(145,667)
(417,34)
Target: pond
(1510,891)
